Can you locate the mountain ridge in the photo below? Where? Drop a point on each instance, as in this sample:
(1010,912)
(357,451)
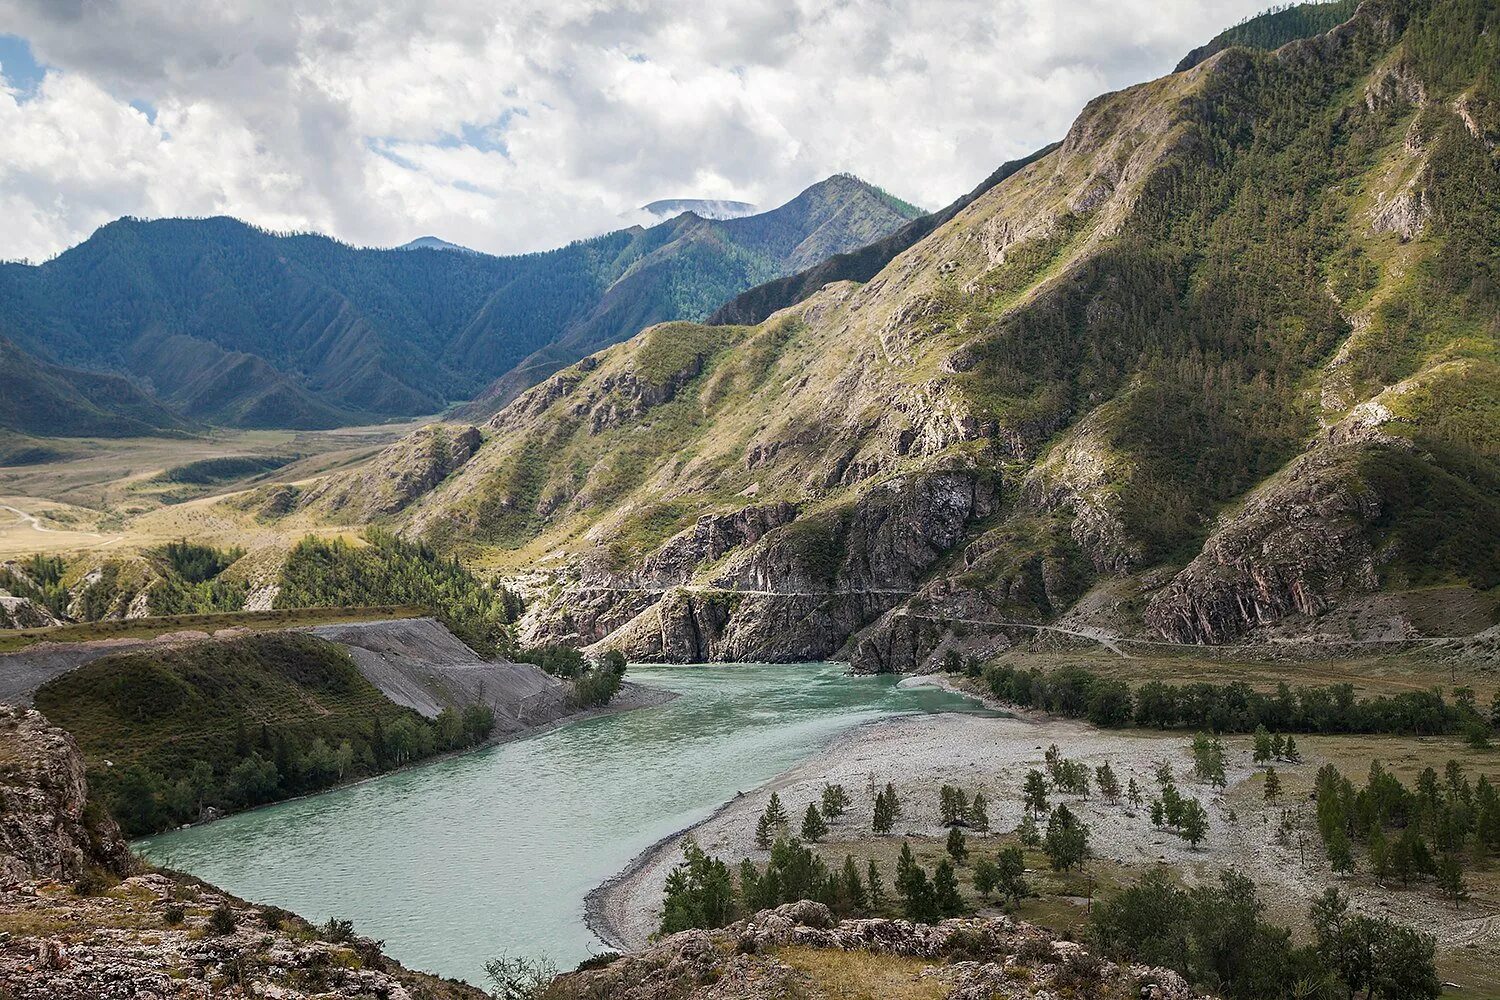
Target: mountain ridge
(1216,366)
(229,324)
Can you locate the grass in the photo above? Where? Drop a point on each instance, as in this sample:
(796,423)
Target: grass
(861,975)
(146,628)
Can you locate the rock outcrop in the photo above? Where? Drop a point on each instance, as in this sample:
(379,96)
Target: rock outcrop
(403,472)
(972,959)
(1300,544)
(47,828)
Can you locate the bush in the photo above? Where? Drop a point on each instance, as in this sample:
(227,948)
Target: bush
(222,920)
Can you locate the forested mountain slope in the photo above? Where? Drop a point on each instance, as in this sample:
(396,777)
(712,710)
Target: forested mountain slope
(232,325)
(41,398)
(1223,362)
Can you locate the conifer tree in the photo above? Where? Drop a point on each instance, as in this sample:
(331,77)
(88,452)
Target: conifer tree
(876,882)
(945,886)
(1273,784)
(1034,792)
(958,850)
(814,828)
(979,813)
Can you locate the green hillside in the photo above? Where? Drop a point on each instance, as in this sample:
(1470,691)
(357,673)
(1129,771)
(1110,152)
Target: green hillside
(41,398)
(231,724)
(1223,362)
(235,326)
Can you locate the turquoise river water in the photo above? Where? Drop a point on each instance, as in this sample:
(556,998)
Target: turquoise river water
(459,861)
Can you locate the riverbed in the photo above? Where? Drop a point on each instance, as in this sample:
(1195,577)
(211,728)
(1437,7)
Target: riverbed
(492,853)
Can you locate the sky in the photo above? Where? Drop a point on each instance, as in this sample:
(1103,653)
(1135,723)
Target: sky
(520,125)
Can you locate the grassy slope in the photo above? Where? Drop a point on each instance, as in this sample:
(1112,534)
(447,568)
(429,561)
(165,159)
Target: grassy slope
(1172,273)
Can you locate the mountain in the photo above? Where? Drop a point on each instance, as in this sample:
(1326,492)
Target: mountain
(41,398)
(684,268)
(760,302)
(232,325)
(1223,365)
(433,243)
(704,208)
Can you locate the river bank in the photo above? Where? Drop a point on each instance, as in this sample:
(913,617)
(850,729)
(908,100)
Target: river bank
(919,754)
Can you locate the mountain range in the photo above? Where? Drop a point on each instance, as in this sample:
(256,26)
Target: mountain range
(222,323)
(1220,365)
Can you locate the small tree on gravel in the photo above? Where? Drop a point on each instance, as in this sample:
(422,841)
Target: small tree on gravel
(1340,855)
(835,801)
(885,813)
(954,805)
(1273,784)
(1193,822)
(1291,753)
(814,828)
(1133,794)
(775,812)
(1108,782)
(1262,744)
(895,803)
(1034,792)
(765,833)
(979,813)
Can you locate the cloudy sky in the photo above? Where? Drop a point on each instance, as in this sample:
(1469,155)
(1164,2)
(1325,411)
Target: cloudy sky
(522,124)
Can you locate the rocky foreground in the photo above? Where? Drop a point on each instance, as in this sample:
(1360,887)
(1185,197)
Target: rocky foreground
(80,919)
(785,953)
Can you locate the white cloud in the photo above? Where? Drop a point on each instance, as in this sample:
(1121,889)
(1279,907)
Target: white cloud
(518,126)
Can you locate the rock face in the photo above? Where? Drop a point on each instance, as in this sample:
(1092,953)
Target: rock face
(154,934)
(47,828)
(973,959)
(22,612)
(1300,544)
(400,474)
(760,584)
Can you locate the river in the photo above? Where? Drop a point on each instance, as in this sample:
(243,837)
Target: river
(491,853)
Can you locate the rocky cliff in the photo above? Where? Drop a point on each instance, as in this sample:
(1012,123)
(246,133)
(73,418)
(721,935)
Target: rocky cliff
(761,959)
(79,920)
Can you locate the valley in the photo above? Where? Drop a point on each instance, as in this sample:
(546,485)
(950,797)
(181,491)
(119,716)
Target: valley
(1089,588)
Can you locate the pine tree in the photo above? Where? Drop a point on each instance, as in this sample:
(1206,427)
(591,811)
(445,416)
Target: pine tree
(953,804)
(1034,792)
(1010,875)
(1133,794)
(1109,784)
(979,813)
(945,885)
(895,803)
(1291,752)
(764,833)
(1278,747)
(1450,877)
(885,813)
(813,827)
(1028,832)
(1262,744)
(1340,855)
(1067,842)
(876,883)
(985,875)
(957,848)
(854,889)
(1273,784)
(835,801)
(906,864)
(775,813)
(1194,822)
